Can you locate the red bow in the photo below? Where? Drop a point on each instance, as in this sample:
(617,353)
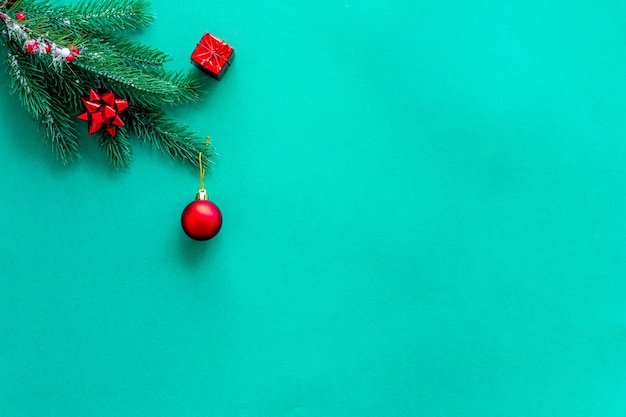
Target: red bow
(103,112)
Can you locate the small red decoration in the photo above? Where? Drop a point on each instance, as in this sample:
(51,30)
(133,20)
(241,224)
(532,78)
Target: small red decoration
(201,219)
(213,55)
(75,49)
(31,46)
(47,48)
(103,111)
(70,57)
(20,16)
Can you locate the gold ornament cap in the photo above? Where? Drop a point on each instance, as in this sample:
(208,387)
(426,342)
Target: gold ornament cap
(202,195)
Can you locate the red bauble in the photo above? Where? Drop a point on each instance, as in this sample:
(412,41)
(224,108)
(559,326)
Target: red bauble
(201,219)
(20,16)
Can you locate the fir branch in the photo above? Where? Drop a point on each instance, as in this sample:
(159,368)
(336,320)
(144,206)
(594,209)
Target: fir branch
(14,5)
(58,125)
(132,53)
(169,136)
(30,72)
(50,88)
(60,133)
(107,16)
(29,82)
(41,29)
(97,17)
(117,149)
(142,88)
(66,83)
(9,3)
(14,31)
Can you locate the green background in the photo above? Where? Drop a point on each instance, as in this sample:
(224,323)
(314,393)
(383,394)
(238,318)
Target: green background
(424,215)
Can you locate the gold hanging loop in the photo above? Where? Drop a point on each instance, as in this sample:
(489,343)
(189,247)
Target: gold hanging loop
(202,194)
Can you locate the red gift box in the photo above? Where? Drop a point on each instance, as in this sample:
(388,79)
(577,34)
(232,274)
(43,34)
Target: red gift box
(213,55)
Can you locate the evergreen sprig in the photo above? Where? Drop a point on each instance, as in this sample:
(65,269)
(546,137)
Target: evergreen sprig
(168,136)
(106,16)
(137,54)
(50,87)
(28,82)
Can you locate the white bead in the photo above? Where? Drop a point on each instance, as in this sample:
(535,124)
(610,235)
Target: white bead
(65,52)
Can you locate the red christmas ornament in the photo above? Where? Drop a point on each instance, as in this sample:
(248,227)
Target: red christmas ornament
(47,48)
(213,55)
(103,111)
(72,57)
(201,219)
(20,16)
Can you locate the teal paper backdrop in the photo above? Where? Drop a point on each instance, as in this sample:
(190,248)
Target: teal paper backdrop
(424,215)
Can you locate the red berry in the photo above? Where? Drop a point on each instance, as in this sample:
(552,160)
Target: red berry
(20,16)
(31,46)
(47,48)
(75,49)
(70,57)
